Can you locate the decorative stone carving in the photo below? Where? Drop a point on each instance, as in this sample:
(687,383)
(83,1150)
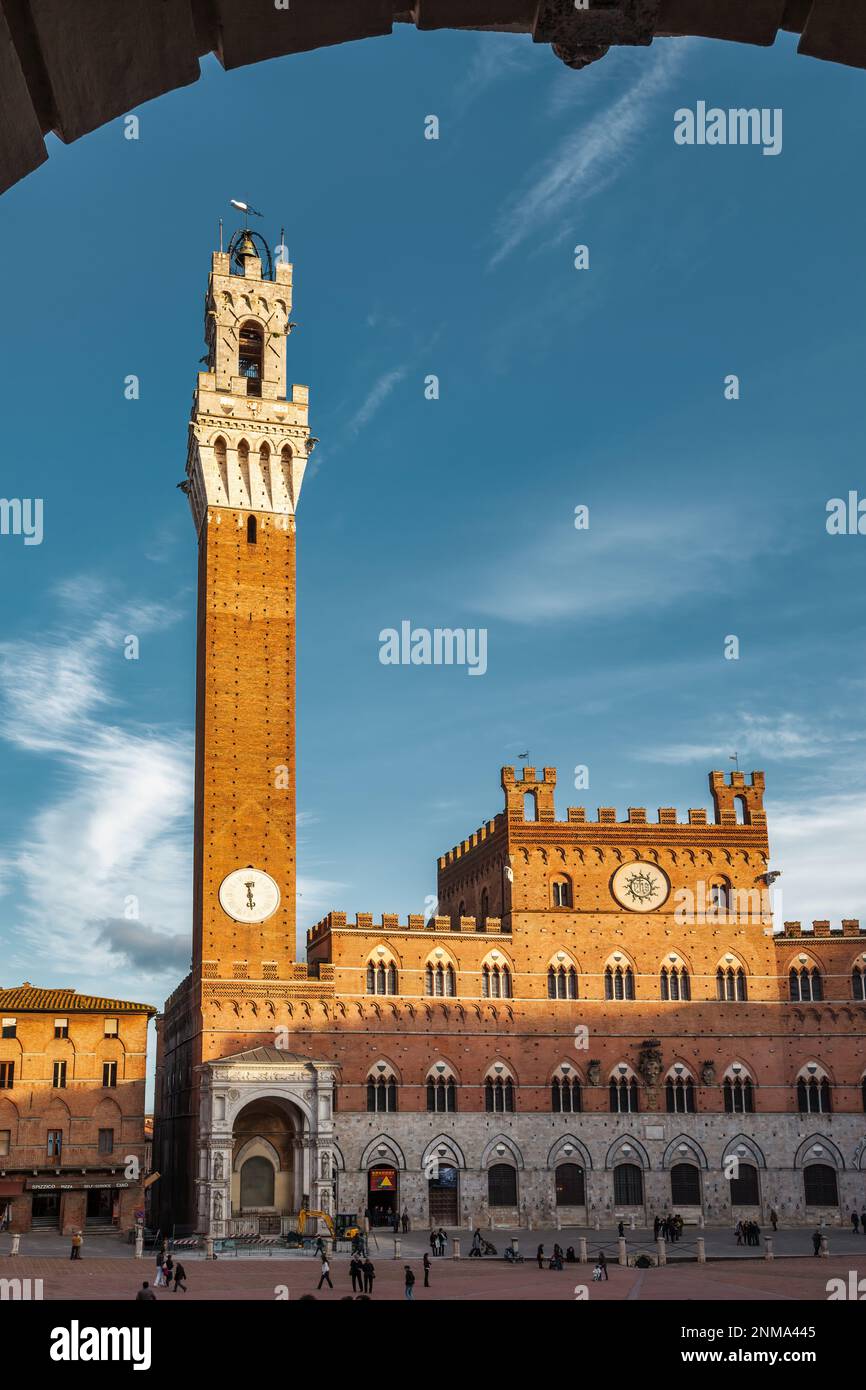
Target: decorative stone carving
(708,1073)
(593,1073)
(650,1062)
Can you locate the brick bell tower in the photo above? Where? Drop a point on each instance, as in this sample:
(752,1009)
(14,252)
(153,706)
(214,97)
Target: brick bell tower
(249,442)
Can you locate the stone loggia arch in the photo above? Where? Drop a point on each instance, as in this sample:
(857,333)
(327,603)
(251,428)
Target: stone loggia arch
(70,66)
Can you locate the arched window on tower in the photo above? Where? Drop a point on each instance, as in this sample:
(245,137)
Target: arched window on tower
(858,982)
(720,898)
(530,806)
(485,909)
(741,810)
(251,530)
(560,890)
(251,357)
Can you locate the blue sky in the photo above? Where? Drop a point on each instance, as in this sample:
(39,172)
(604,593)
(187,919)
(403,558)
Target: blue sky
(558,388)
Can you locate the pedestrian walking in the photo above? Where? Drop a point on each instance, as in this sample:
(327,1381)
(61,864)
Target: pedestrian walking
(168,1271)
(774,1220)
(179,1278)
(426,1270)
(410,1282)
(476,1241)
(356,1273)
(602,1264)
(539,1255)
(145,1294)
(620,1230)
(77,1242)
(405,1220)
(855,1221)
(816,1241)
(369,1270)
(326,1274)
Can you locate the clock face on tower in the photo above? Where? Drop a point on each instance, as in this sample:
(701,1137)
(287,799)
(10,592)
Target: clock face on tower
(640,887)
(249,895)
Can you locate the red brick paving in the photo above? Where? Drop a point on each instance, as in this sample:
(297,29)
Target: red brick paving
(463,1280)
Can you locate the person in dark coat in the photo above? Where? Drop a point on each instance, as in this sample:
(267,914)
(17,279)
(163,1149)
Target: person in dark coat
(539,1255)
(369,1270)
(409,1282)
(145,1294)
(426,1270)
(179,1277)
(816,1242)
(355,1271)
(602,1264)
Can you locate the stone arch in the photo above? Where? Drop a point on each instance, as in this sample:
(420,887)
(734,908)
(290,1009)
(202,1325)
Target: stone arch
(750,1147)
(257,1146)
(490,1156)
(695,1152)
(393,1153)
(453,1156)
(637,1153)
(829,1153)
(556,1152)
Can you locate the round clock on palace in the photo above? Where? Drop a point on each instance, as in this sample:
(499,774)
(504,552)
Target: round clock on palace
(640,886)
(249,895)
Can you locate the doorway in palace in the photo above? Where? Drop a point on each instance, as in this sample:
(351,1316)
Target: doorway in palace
(265,1176)
(46,1209)
(444,1195)
(382,1195)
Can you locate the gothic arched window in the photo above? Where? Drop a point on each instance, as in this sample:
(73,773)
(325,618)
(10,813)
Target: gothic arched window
(805,983)
(674,982)
(619,982)
(561,982)
(731,982)
(561,891)
(381,1090)
(499,1093)
(565,1096)
(251,357)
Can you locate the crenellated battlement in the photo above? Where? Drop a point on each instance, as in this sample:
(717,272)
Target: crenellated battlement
(849,926)
(390,922)
(483,833)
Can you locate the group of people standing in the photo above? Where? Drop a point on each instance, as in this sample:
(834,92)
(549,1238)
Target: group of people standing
(168,1270)
(666,1228)
(437,1241)
(748,1233)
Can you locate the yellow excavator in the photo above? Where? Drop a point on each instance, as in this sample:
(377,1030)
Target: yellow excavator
(348,1233)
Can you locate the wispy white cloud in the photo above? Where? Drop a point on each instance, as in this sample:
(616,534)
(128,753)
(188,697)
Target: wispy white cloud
(112,842)
(623,564)
(817,842)
(785,738)
(587,160)
(375,398)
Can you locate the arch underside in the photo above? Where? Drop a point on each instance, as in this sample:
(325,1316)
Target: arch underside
(70,66)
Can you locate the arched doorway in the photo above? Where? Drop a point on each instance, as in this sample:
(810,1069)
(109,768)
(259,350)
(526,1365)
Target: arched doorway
(267,1168)
(383,1195)
(444,1196)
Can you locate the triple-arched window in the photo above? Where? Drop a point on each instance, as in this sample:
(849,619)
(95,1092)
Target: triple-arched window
(738,1091)
(619,982)
(565,1094)
(382,977)
(731,982)
(381,1088)
(624,1097)
(805,983)
(561,981)
(440,979)
(495,981)
(674,981)
(679,1092)
(441,1089)
(498,1091)
(814,1095)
